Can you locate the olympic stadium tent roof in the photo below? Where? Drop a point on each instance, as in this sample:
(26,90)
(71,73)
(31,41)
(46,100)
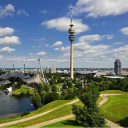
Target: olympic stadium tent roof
(7,75)
(35,79)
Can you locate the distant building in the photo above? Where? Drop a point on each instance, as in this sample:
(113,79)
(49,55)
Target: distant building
(46,70)
(53,69)
(117,67)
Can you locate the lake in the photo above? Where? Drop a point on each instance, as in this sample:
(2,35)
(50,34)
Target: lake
(12,106)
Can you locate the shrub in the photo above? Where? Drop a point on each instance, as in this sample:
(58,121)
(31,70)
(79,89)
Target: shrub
(24,114)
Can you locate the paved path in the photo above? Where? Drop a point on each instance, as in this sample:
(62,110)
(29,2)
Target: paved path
(35,116)
(109,123)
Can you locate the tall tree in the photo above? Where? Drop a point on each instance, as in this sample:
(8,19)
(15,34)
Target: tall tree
(54,88)
(35,99)
(43,95)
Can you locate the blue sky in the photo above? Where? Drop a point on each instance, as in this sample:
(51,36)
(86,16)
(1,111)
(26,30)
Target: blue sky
(32,29)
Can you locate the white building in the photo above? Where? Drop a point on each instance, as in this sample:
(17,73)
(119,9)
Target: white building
(53,69)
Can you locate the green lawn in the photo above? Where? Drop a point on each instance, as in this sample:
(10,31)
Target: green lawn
(112,92)
(69,123)
(22,88)
(100,98)
(45,108)
(60,112)
(116,108)
(59,85)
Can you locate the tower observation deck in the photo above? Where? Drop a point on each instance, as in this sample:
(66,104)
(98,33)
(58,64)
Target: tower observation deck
(71,39)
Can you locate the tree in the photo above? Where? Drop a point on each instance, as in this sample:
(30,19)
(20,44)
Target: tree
(89,115)
(54,88)
(46,88)
(69,83)
(40,87)
(43,95)
(65,85)
(12,79)
(35,99)
(51,96)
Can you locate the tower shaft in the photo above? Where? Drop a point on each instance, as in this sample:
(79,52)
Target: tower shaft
(71,61)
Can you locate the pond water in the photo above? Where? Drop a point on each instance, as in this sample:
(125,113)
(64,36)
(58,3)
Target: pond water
(12,106)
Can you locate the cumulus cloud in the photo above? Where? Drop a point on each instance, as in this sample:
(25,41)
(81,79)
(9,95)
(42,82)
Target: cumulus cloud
(124,31)
(41,53)
(62,24)
(31,54)
(1,57)
(58,43)
(6,31)
(21,11)
(56,49)
(118,43)
(62,49)
(109,37)
(40,39)
(8,10)
(13,40)
(7,49)
(99,8)
(91,38)
(47,45)
(44,11)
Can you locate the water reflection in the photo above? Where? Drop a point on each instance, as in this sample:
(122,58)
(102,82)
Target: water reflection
(12,106)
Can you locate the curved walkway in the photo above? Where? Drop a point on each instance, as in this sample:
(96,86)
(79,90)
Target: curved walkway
(35,116)
(109,123)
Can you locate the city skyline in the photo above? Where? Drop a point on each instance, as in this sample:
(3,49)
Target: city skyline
(41,31)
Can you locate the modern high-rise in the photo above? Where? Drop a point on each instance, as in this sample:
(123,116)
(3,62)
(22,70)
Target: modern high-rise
(71,39)
(53,69)
(117,67)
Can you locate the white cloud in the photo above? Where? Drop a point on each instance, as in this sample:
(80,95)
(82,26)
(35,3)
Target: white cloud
(56,49)
(124,31)
(41,53)
(91,38)
(44,11)
(1,57)
(7,49)
(13,40)
(62,49)
(32,60)
(58,43)
(31,54)
(6,31)
(47,45)
(118,43)
(62,24)
(40,39)
(33,46)
(103,23)
(109,37)
(8,10)
(95,24)
(21,11)
(99,8)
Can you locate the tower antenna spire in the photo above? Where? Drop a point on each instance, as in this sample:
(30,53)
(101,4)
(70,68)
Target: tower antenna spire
(71,13)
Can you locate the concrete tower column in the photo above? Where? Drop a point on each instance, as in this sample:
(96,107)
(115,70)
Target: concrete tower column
(71,61)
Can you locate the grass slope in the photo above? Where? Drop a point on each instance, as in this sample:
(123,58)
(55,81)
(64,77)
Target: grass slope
(116,108)
(69,123)
(112,92)
(60,112)
(45,108)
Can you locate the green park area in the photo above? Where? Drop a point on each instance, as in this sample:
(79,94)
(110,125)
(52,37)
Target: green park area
(71,122)
(116,108)
(21,90)
(59,85)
